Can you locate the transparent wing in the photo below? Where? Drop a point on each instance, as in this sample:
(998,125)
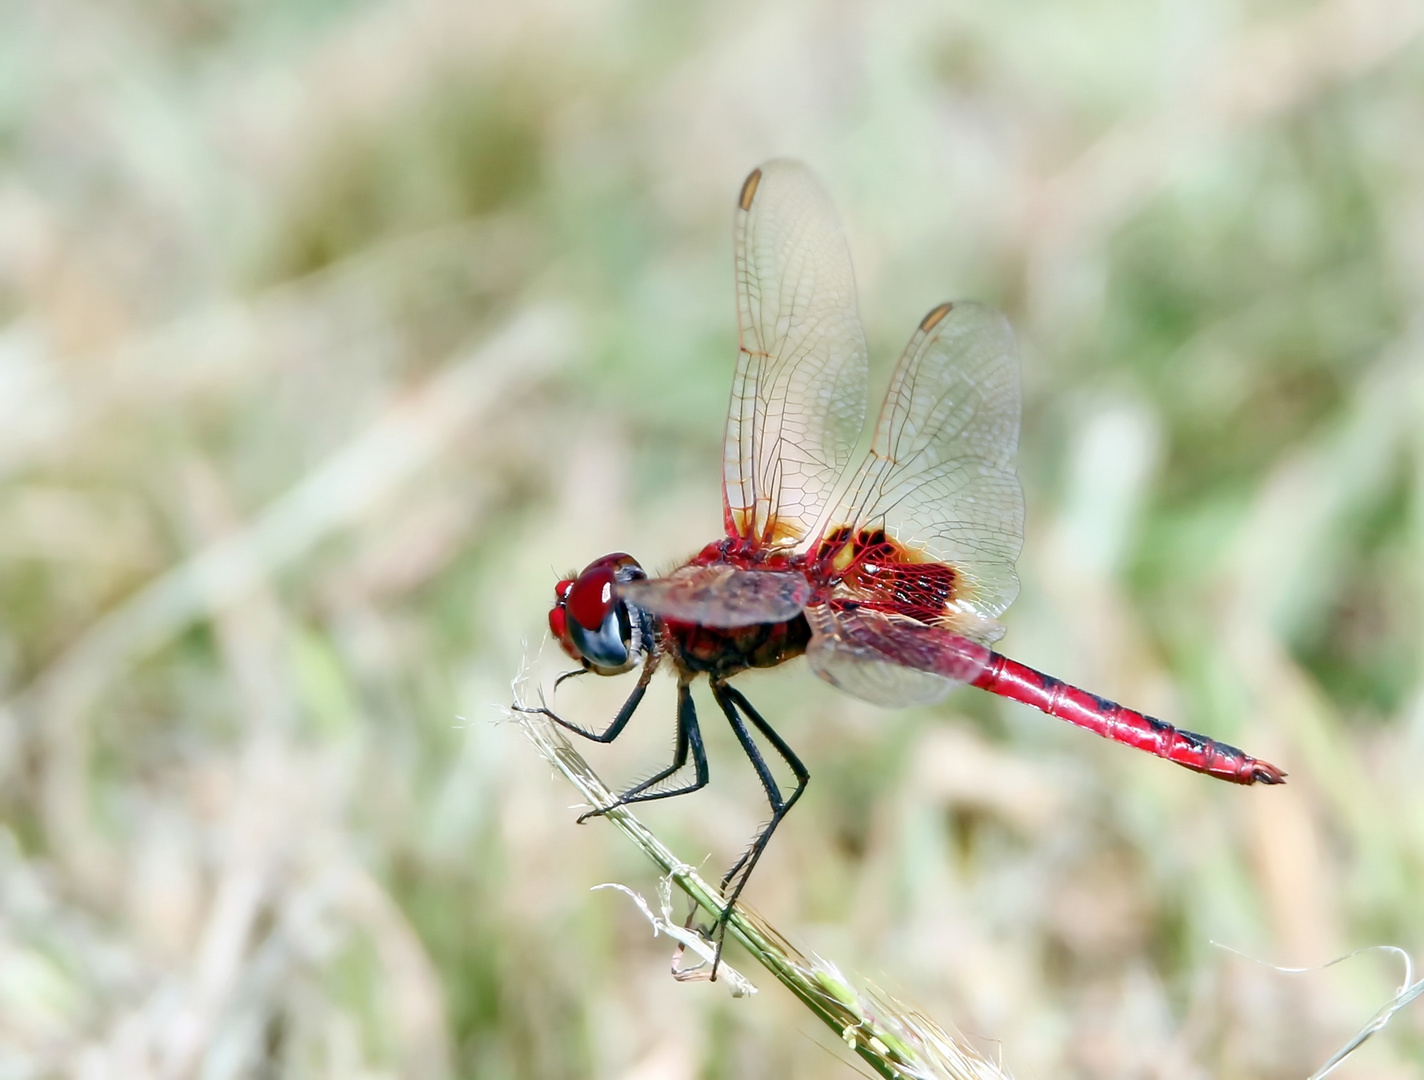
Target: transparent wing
(889,659)
(721,595)
(939,479)
(798,395)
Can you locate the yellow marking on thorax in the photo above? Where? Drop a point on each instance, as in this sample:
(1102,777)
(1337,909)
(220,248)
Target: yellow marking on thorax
(781,531)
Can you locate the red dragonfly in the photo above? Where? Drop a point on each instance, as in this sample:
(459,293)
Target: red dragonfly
(889,578)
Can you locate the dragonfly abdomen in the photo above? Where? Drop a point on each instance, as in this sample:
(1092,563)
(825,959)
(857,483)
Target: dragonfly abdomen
(1011,679)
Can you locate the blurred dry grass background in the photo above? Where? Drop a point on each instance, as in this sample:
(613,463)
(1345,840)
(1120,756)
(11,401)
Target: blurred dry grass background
(331,331)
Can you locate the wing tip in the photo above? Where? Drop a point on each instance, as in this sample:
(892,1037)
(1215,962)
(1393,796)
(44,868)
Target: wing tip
(936,315)
(749,189)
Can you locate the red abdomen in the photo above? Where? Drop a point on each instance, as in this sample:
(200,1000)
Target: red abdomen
(1113,721)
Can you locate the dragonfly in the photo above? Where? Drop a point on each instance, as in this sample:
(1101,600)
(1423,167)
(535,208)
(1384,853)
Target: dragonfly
(888,577)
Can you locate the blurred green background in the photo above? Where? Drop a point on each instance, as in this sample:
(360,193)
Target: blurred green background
(332,332)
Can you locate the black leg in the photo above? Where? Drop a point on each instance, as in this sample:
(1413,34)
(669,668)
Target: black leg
(731,701)
(779,809)
(575,673)
(689,736)
(619,722)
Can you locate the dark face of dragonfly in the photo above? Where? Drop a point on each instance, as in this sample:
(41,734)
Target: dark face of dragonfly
(593,625)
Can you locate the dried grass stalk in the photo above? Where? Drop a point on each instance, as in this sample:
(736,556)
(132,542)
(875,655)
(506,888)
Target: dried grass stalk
(895,1040)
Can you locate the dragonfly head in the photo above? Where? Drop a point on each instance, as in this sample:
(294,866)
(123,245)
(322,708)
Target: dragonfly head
(593,625)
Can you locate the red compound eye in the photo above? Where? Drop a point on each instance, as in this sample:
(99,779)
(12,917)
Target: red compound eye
(590,599)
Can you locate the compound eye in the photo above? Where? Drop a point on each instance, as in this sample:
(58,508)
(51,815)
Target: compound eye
(590,598)
(609,646)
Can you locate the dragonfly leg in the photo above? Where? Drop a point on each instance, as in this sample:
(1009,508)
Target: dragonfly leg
(620,721)
(689,737)
(575,673)
(732,702)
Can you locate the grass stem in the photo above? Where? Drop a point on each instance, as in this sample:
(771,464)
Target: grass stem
(897,1042)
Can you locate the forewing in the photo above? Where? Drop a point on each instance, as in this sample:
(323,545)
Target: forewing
(721,595)
(889,659)
(798,395)
(939,478)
